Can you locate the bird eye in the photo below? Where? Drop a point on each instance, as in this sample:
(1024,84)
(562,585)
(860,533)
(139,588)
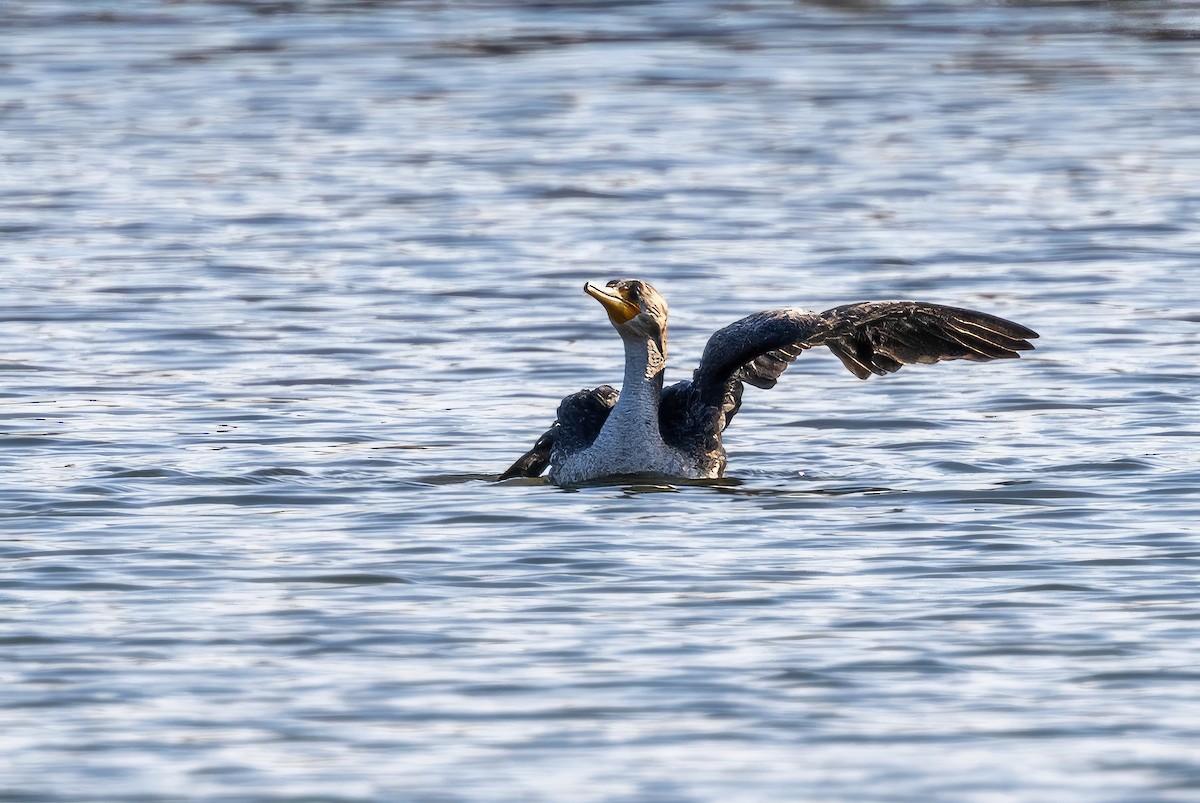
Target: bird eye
(629,289)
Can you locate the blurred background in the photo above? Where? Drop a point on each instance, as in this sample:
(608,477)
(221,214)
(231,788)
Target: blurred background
(287,283)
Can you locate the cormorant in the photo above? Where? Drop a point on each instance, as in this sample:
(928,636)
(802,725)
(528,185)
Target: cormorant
(676,431)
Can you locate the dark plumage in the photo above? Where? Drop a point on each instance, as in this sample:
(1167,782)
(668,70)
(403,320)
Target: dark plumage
(676,431)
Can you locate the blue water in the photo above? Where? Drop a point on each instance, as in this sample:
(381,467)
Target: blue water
(286,285)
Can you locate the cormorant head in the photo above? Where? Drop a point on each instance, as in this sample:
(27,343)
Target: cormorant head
(633,306)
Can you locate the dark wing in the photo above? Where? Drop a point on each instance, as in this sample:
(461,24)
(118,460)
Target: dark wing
(881,336)
(869,338)
(756,350)
(581,416)
(535,461)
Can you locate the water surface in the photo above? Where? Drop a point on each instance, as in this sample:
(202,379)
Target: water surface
(286,285)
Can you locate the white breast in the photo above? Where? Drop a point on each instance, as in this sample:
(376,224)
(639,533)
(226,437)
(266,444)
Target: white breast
(622,453)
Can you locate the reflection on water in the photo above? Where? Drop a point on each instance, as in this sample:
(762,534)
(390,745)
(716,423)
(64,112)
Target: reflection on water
(287,285)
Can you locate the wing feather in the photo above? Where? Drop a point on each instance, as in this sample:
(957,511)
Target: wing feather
(580,418)
(881,337)
(536,460)
(875,337)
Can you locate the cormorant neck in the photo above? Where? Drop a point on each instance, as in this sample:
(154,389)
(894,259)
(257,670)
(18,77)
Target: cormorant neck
(632,426)
(645,360)
(637,407)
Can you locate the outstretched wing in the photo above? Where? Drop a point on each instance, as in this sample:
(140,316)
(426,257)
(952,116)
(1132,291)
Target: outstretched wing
(881,336)
(869,338)
(581,416)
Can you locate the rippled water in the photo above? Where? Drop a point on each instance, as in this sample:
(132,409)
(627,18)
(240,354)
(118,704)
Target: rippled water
(286,284)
